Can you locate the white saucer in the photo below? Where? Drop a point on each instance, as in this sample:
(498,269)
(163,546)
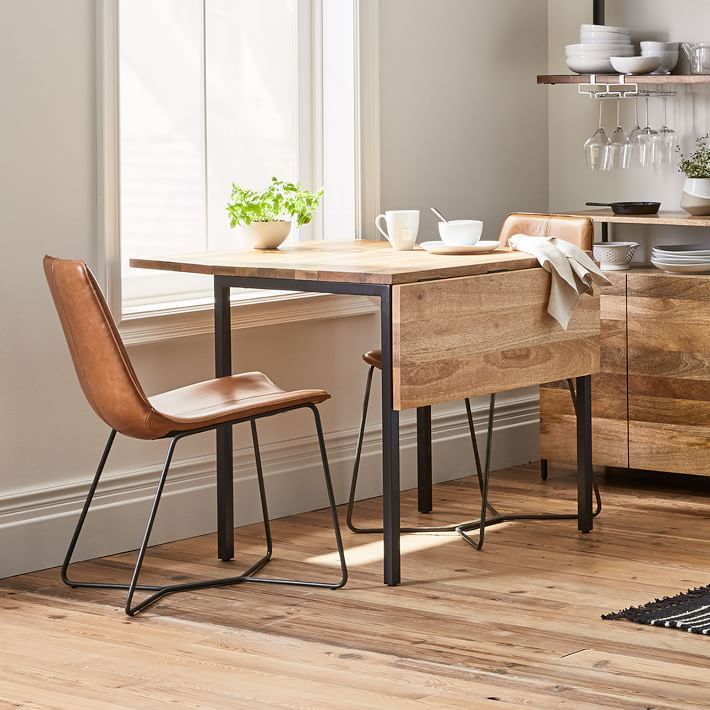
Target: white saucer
(478,248)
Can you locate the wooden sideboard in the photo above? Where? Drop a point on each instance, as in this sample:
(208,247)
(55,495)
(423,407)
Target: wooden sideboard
(651,400)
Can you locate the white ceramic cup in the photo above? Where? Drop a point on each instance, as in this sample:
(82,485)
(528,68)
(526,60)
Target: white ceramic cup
(402,228)
(460,232)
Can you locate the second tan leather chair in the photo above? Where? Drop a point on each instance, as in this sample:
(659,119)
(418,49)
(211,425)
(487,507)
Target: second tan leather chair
(112,389)
(578,231)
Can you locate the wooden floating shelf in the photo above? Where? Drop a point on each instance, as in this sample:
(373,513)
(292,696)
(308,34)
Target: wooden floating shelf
(677,219)
(616,79)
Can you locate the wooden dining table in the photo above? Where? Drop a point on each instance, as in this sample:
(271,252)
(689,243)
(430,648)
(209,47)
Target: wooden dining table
(451,326)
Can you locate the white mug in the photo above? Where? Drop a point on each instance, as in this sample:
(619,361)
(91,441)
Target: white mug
(402,228)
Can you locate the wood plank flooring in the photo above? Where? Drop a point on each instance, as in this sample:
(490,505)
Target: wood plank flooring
(517,624)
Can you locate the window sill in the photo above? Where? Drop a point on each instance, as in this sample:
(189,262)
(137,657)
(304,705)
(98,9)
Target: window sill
(184,319)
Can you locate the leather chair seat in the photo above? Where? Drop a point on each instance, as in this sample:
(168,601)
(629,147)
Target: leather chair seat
(373,358)
(225,399)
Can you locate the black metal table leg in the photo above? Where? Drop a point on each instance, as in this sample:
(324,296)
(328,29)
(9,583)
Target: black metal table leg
(390,449)
(605,232)
(598,14)
(225,464)
(424,480)
(585,480)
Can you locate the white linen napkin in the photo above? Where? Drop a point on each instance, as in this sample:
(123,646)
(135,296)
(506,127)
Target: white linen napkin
(573,272)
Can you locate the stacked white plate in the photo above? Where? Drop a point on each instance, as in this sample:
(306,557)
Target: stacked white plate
(682,258)
(597,44)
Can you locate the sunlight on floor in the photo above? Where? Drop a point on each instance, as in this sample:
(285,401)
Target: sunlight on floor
(360,555)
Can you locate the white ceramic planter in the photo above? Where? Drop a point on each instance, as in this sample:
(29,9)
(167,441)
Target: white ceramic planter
(268,235)
(695,199)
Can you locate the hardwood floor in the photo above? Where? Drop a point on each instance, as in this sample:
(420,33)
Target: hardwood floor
(516,624)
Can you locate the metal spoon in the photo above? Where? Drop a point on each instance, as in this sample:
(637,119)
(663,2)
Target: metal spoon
(438,214)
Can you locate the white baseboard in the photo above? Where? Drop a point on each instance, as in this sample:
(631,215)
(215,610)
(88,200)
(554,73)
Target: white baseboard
(36,524)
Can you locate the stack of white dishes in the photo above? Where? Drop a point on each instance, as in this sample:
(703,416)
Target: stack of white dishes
(667,51)
(682,258)
(598,44)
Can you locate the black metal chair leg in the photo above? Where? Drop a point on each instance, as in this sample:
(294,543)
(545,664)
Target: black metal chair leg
(262,489)
(331,496)
(356,468)
(476,456)
(163,591)
(334,513)
(461,529)
(131,611)
(356,465)
(84,511)
(543,469)
(489,515)
(484,522)
(247,575)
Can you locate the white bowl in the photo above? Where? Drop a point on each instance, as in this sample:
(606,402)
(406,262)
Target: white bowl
(615,256)
(594,36)
(268,235)
(589,57)
(668,61)
(589,66)
(660,46)
(635,65)
(460,232)
(605,28)
(608,48)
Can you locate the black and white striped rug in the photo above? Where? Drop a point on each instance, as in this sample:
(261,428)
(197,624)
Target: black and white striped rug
(687,612)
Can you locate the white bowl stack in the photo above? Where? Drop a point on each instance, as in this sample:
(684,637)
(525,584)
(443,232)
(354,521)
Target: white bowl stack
(667,51)
(597,44)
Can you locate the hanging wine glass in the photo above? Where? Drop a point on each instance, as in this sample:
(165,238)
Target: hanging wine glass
(646,141)
(596,147)
(620,149)
(635,157)
(667,139)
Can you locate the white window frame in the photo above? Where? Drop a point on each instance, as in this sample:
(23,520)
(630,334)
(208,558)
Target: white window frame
(254,308)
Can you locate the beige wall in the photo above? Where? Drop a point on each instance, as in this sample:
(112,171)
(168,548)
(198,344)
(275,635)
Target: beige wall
(573,118)
(464,127)
(449,137)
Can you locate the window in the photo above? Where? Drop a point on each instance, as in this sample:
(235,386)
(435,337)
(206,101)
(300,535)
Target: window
(215,91)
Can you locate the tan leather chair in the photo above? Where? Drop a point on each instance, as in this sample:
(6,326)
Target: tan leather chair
(577,230)
(112,389)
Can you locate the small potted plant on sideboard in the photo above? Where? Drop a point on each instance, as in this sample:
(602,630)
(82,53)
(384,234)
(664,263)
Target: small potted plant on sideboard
(695,199)
(270,213)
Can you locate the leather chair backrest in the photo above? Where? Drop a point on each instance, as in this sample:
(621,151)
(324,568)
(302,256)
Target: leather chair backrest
(577,230)
(100,359)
